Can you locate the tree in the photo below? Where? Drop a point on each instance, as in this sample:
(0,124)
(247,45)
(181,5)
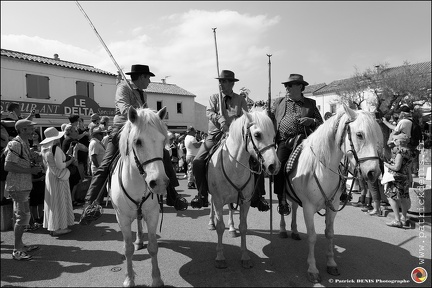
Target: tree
(392,86)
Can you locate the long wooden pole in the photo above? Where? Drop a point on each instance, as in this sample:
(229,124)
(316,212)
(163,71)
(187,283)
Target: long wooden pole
(271,176)
(103,44)
(217,67)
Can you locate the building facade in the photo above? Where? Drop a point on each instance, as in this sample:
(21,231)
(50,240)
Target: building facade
(55,89)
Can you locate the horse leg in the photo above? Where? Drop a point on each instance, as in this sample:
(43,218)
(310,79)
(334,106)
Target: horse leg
(245,259)
(129,250)
(153,248)
(294,232)
(282,227)
(232,230)
(220,228)
(211,224)
(329,233)
(313,273)
(139,242)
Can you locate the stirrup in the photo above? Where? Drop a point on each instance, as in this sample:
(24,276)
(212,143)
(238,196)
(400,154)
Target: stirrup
(181,204)
(197,202)
(91,213)
(284,209)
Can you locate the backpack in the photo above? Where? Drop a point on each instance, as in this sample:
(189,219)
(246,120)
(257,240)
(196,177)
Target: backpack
(416,134)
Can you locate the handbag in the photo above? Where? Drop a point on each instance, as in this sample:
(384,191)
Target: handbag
(387,177)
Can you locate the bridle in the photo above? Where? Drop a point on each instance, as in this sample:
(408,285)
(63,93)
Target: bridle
(246,136)
(140,165)
(344,175)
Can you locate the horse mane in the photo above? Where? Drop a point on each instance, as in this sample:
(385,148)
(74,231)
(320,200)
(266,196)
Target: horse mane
(258,117)
(129,132)
(324,139)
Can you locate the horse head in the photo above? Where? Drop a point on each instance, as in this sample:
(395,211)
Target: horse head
(260,139)
(142,140)
(361,141)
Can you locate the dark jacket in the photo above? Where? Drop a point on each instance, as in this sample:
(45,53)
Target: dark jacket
(309,109)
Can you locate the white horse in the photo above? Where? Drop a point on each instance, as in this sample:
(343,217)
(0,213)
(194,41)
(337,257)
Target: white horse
(230,178)
(138,181)
(316,180)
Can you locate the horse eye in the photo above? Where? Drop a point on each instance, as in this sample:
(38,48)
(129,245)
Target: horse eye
(138,142)
(359,135)
(257,135)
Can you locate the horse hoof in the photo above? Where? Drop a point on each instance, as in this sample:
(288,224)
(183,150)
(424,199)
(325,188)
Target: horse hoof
(332,270)
(211,227)
(233,234)
(138,246)
(295,236)
(221,264)
(283,234)
(247,264)
(314,277)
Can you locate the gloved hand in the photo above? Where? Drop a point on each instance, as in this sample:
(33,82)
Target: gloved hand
(306,121)
(224,128)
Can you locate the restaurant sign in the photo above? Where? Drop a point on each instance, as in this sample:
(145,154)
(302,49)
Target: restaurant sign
(78,105)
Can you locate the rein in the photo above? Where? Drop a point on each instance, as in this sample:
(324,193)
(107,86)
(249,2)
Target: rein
(245,136)
(344,176)
(143,174)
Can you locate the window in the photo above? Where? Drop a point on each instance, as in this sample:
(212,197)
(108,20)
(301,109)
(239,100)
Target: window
(37,86)
(179,108)
(158,105)
(84,88)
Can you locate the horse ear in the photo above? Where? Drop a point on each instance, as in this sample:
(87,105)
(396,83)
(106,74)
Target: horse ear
(132,114)
(162,112)
(248,115)
(351,113)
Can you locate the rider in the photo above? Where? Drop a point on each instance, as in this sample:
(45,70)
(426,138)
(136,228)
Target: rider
(125,98)
(294,116)
(233,107)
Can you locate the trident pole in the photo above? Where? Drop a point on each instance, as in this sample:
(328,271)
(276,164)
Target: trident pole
(217,67)
(271,176)
(103,44)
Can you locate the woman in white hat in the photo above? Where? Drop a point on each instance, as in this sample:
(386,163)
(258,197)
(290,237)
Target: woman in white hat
(58,210)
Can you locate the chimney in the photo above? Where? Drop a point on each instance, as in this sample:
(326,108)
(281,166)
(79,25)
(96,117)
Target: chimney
(163,81)
(378,69)
(56,57)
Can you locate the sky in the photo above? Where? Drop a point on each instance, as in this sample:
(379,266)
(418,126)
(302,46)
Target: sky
(323,41)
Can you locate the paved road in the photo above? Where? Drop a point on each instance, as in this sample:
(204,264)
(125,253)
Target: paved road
(368,253)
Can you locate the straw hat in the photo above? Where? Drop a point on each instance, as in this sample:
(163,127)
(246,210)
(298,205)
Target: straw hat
(51,134)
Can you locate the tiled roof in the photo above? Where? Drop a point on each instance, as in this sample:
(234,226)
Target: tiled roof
(52,61)
(417,68)
(313,88)
(332,87)
(162,88)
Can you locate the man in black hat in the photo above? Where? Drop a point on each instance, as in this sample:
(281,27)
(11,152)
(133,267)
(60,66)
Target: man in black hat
(295,117)
(233,106)
(127,95)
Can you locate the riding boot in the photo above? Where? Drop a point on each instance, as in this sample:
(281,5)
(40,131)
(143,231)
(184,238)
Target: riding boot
(201,200)
(283,207)
(360,202)
(368,204)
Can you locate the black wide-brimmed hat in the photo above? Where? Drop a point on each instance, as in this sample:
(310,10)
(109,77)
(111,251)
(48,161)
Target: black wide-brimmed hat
(227,75)
(296,78)
(140,69)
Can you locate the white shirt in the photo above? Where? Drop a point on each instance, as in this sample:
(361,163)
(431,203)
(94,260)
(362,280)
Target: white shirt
(191,150)
(404,126)
(96,148)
